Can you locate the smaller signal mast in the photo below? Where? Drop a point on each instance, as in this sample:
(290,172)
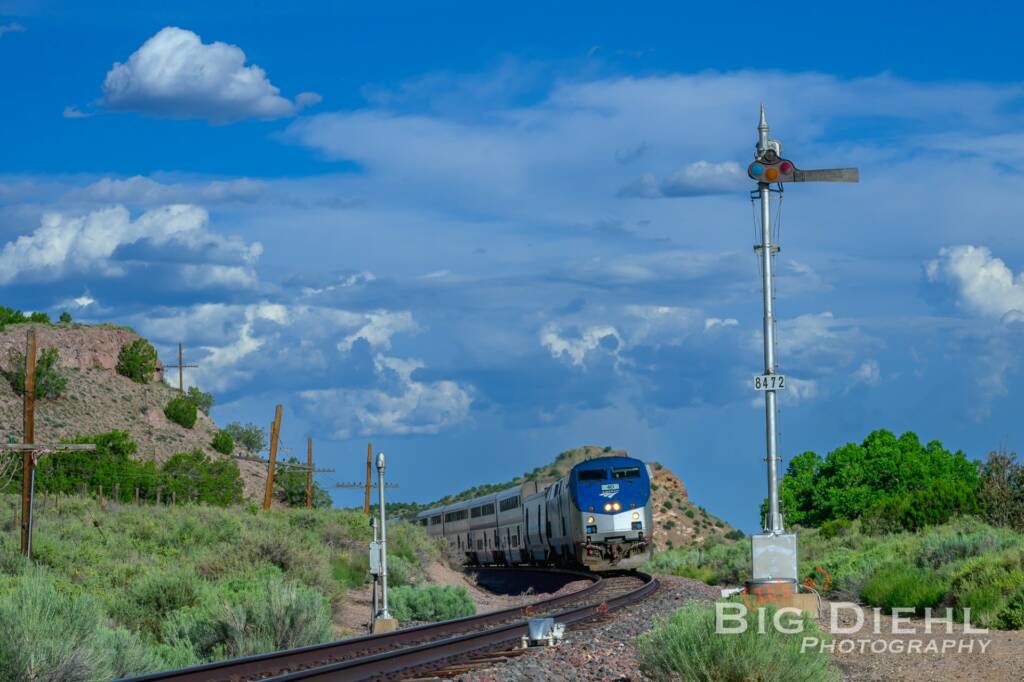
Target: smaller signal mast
(774,552)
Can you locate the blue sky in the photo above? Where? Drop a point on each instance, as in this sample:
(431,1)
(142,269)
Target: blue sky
(479,237)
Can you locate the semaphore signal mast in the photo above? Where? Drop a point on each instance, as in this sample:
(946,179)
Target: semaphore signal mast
(774,552)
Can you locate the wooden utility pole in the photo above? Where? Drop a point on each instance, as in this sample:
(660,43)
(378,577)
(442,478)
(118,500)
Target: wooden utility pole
(30,449)
(309,473)
(369,476)
(275,431)
(181,368)
(28,469)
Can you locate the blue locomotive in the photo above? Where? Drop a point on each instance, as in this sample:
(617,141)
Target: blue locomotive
(597,516)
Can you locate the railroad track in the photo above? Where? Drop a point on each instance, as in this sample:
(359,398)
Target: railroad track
(413,651)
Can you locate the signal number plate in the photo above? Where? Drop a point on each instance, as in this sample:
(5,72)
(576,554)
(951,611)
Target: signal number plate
(769,382)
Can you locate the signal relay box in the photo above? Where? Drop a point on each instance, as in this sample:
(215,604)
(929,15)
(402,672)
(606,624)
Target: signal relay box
(774,556)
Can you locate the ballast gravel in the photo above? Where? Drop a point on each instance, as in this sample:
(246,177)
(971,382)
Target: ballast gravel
(601,650)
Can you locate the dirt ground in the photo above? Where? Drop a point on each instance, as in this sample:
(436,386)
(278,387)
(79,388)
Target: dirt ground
(947,653)
(354,617)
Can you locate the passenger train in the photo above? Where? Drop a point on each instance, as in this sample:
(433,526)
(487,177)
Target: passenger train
(597,516)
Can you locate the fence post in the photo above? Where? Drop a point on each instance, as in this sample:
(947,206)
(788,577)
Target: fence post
(174,497)
(116,494)
(136,497)
(81,490)
(101,497)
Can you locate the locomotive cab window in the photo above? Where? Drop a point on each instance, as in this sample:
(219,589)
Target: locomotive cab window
(593,475)
(626,472)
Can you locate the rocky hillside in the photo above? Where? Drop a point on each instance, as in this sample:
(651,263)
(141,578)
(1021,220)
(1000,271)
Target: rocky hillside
(678,521)
(98,399)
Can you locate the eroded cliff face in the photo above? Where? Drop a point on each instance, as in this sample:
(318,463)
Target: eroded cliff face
(677,519)
(79,346)
(98,399)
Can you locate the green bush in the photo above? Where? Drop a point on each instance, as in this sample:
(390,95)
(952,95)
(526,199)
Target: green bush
(50,635)
(900,586)
(835,528)
(1001,495)
(193,476)
(251,615)
(155,595)
(202,400)
(689,513)
(290,484)
(430,603)
(223,443)
(137,361)
(65,317)
(50,381)
(893,483)
(1012,615)
(249,436)
(181,411)
(735,534)
(686,646)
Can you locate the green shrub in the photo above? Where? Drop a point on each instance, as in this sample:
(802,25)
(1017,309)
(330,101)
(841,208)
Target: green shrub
(667,505)
(49,635)
(65,317)
(351,569)
(50,381)
(202,400)
(735,534)
(1012,615)
(893,483)
(193,476)
(290,484)
(249,436)
(249,616)
(137,361)
(686,646)
(181,411)
(223,443)
(900,586)
(835,528)
(1001,495)
(430,603)
(154,595)
(689,513)
(941,548)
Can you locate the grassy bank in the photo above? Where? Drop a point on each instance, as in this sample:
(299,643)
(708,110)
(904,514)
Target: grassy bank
(962,564)
(136,589)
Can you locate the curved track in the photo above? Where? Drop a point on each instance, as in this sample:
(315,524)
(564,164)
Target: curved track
(406,652)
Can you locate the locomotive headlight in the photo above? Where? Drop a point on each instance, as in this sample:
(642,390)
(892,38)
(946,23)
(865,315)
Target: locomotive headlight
(590,519)
(608,507)
(636,516)
(616,506)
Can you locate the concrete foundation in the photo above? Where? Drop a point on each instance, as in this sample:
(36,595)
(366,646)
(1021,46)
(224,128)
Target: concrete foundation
(384,625)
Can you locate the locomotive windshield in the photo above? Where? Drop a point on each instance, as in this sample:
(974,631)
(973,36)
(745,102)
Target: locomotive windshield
(626,472)
(593,474)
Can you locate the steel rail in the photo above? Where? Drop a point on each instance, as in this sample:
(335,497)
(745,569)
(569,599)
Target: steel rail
(400,663)
(253,667)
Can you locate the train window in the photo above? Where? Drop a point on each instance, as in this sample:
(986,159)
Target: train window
(475,511)
(508,503)
(434,520)
(487,509)
(593,474)
(626,472)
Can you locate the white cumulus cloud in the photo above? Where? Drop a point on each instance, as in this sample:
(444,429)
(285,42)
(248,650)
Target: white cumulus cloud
(174,74)
(69,244)
(404,406)
(984,284)
(576,349)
